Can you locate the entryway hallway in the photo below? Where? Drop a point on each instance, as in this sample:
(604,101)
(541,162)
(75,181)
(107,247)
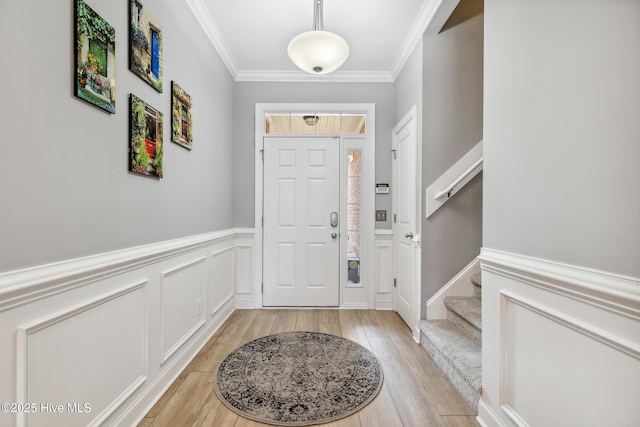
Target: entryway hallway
(415,393)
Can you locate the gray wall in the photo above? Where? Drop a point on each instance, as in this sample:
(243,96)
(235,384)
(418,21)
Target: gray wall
(408,87)
(250,93)
(452,125)
(562,135)
(65,189)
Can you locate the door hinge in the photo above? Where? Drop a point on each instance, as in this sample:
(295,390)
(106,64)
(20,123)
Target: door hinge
(395,283)
(394,218)
(262,287)
(262,221)
(262,154)
(394,154)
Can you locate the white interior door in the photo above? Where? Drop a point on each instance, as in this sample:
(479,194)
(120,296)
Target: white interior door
(405,218)
(301,222)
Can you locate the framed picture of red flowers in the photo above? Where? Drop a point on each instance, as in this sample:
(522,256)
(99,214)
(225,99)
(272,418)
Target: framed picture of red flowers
(95,58)
(145,143)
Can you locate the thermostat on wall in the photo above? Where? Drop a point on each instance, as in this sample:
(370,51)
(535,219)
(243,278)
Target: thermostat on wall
(382,188)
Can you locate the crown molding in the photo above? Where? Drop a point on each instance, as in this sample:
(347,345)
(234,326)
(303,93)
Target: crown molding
(301,76)
(431,18)
(215,36)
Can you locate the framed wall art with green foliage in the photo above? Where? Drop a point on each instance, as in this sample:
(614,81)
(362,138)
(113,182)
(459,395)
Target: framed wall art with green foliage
(145,142)
(145,45)
(95,58)
(181,125)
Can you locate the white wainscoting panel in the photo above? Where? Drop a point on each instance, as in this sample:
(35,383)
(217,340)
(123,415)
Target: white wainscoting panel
(560,344)
(532,363)
(92,354)
(247,295)
(223,271)
(183,303)
(114,330)
(384,270)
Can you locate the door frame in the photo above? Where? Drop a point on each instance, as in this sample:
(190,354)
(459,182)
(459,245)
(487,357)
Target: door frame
(362,296)
(412,115)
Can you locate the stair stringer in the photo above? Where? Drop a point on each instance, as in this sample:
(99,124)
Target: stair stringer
(460,285)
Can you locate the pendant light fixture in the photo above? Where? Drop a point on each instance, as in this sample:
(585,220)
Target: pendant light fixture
(318,51)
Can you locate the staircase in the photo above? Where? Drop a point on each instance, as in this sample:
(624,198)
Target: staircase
(455,343)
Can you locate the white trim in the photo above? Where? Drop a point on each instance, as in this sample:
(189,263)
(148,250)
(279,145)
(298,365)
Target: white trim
(368,175)
(612,292)
(384,265)
(210,28)
(167,353)
(134,414)
(454,179)
(23,286)
(225,299)
(430,18)
(411,115)
(301,76)
(22,350)
(460,285)
(487,417)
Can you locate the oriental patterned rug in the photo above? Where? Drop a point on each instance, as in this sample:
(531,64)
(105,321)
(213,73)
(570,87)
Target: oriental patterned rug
(298,379)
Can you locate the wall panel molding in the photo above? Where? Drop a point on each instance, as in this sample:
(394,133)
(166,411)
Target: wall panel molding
(384,295)
(246,294)
(31,284)
(31,348)
(612,292)
(554,334)
(223,273)
(130,314)
(182,304)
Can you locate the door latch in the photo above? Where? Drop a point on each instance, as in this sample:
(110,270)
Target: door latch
(334,219)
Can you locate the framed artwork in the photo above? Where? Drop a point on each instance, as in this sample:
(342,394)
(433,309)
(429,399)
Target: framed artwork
(145,45)
(181,132)
(95,57)
(145,142)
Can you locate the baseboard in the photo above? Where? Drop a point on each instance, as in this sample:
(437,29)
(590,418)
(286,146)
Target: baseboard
(459,285)
(486,417)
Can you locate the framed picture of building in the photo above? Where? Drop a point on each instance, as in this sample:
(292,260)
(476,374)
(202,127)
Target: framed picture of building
(145,142)
(145,45)
(181,126)
(95,58)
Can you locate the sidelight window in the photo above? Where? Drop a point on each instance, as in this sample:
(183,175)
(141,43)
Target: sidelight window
(354,204)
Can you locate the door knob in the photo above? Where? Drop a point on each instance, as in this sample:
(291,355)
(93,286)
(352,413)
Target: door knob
(409,235)
(334,235)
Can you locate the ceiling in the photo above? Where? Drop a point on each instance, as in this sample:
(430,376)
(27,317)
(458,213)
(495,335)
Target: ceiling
(252,36)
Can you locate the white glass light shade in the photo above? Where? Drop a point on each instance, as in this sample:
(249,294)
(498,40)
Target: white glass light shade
(318,52)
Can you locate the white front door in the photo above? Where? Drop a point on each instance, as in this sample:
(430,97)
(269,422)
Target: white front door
(301,222)
(405,218)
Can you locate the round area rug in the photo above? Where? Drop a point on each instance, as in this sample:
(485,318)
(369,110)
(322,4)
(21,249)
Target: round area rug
(298,378)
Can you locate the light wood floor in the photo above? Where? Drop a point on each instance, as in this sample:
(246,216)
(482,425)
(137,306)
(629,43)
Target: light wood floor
(415,393)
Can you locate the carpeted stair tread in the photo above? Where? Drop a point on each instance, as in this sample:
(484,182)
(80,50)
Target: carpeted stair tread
(458,355)
(467,308)
(476,279)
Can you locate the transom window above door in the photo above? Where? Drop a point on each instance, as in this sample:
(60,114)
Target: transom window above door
(315,123)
